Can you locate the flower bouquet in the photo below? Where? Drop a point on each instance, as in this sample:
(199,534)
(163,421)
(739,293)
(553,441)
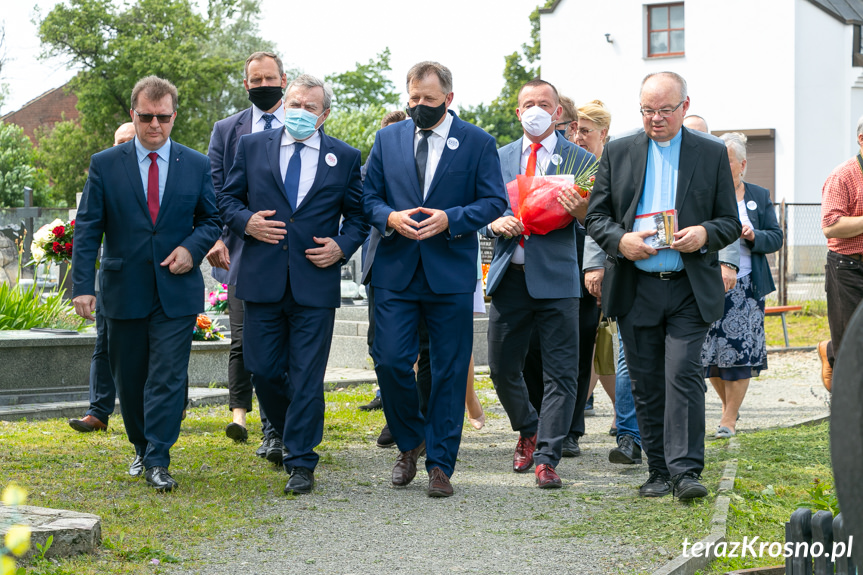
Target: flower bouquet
(534,198)
(205,330)
(53,242)
(218,299)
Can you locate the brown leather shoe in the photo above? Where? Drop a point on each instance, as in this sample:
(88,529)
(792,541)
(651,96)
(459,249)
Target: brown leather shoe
(439,485)
(826,370)
(522,459)
(546,477)
(87,424)
(405,468)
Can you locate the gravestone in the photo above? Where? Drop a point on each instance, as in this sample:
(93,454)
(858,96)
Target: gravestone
(74,533)
(8,261)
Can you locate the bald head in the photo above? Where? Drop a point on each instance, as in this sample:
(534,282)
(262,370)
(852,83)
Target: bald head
(124,133)
(696,123)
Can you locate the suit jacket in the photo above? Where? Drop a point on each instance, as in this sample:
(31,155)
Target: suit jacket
(255,183)
(223,147)
(467,185)
(705,196)
(114,204)
(768,237)
(550,261)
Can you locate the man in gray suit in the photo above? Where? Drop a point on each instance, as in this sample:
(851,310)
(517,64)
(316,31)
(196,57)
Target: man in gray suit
(534,283)
(665,300)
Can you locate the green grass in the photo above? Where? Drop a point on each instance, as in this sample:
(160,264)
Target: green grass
(775,470)
(805,328)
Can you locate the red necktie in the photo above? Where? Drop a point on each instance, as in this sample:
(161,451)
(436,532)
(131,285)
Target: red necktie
(153,186)
(530,170)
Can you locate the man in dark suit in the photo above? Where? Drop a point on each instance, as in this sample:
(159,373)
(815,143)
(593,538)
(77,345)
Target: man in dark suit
(534,283)
(103,393)
(153,201)
(286,194)
(265,80)
(665,300)
(431,183)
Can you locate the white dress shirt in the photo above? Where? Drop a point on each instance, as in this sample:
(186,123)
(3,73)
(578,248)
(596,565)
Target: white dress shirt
(543,157)
(258,121)
(309,156)
(436,143)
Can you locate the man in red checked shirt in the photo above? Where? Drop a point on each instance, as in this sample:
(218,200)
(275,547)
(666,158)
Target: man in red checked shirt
(842,224)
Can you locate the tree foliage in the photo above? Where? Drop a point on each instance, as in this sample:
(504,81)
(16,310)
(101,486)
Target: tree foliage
(498,118)
(365,86)
(18,168)
(356,127)
(65,152)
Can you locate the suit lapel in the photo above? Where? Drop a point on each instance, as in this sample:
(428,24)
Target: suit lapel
(638,162)
(689,155)
(322,170)
(456,130)
(243,127)
(406,143)
(133,172)
(511,161)
(175,170)
(274,148)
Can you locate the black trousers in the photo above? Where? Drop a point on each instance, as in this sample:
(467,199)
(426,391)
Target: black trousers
(662,338)
(844,286)
(512,317)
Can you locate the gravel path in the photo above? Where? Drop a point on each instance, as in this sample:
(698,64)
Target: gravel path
(355,522)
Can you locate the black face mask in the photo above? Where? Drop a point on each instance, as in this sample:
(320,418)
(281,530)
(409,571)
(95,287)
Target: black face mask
(265,97)
(426,116)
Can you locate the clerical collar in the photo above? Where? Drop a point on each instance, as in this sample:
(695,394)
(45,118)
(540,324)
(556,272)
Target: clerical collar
(667,143)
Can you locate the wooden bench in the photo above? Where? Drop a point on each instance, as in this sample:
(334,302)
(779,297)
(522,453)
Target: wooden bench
(781,310)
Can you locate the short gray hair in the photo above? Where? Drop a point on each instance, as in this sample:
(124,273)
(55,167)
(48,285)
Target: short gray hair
(423,69)
(684,93)
(860,126)
(736,142)
(309,81)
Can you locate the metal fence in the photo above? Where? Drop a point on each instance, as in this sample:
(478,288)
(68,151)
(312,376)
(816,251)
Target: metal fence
(819,544)
(798,268)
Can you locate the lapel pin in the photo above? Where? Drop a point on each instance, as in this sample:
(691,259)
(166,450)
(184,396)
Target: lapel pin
(556,159)
(331,160)
(452,143)
(751,205)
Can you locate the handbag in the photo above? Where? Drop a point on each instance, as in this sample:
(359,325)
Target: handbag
(603,357)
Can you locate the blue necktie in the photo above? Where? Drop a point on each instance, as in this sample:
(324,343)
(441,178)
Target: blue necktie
(268,121)
(292,176)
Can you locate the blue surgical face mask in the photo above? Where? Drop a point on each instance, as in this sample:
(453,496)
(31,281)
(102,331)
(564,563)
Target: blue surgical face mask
(300,123)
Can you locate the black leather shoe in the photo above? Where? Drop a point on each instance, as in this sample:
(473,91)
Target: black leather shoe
(274,451)
(160,479)
(570,446)
(237,432)
(658,485)
(687,486)
(373,404)
(137,466)
(627,451)
(386,439)
(262,449)
(302,481)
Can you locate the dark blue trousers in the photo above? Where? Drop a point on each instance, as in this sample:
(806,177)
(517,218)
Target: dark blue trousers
(103,394)
(449,318)
(288,337)
(150,364)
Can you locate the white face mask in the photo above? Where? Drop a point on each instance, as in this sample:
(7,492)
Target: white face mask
(535,121)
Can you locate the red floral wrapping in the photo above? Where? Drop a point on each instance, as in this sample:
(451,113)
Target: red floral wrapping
(534,202)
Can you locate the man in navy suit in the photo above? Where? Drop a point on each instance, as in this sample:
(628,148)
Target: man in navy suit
(665,300)
(431,183)
(534,283)
(153,201)
(265,80)
(286,194)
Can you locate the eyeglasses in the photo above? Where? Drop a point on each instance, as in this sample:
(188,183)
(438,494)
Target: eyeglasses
(584,131)
(664,112)
(148,118)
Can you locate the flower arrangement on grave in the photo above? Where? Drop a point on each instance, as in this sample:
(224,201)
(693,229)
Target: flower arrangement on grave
(17,540)
(206,330)
(534,199)
(53,242)
(218,299)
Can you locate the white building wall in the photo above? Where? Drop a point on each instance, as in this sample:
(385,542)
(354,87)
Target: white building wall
(739,65)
